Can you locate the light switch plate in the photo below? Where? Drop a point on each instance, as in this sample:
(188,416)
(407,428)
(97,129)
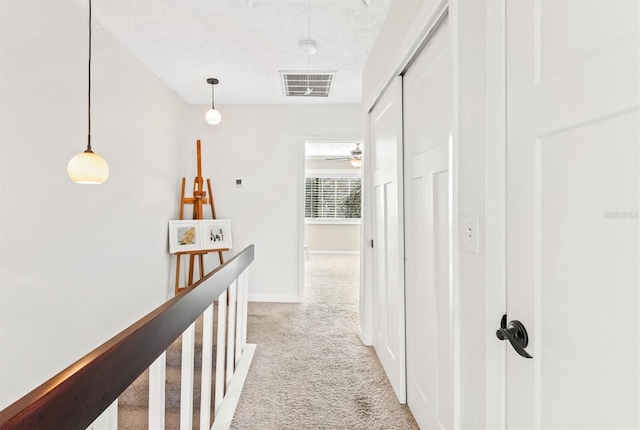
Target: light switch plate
(470,232)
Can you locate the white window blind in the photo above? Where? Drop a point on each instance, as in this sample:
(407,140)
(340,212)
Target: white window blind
(332,198)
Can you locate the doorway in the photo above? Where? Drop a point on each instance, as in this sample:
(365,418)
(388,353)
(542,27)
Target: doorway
(331,202)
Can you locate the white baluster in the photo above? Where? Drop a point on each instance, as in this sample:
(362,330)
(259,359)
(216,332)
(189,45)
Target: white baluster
(233,288)
(108,420)
(220,345)
(157,378)
(239,321)
(244,284)
(207,362)
(186,384)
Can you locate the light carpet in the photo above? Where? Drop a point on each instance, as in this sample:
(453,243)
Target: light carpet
(310,370)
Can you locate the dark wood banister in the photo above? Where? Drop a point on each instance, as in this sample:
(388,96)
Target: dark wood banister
(75,397)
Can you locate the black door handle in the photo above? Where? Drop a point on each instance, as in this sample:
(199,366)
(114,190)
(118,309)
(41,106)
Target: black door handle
(516,334)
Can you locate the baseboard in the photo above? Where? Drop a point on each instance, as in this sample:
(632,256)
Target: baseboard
(224,417)
(362,337)
(334,252)
(269,298)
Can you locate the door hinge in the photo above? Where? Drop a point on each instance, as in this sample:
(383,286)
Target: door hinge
(371,243)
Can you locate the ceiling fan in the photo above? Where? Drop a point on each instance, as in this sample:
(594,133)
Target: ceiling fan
(355,158)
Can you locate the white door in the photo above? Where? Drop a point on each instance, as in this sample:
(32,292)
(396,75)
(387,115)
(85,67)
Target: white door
(572,210)
(427,98)
(389,332)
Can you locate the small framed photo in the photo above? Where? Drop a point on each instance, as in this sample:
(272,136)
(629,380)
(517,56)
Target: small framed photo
(185,236)
(216,234)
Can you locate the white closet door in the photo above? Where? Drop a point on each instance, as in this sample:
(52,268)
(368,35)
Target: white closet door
(427,98)
(386,141)
(573,139)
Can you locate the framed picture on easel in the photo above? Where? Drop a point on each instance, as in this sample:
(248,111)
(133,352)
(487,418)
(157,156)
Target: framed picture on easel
(185,236)
(216,234)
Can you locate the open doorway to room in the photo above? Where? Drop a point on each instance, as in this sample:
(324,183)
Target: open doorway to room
(332,208)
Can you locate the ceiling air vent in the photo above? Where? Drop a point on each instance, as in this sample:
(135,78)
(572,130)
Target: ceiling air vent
(307,84)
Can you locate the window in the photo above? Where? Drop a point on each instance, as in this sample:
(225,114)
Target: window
(332,198)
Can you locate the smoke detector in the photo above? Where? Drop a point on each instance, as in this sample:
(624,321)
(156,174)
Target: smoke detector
(309,47)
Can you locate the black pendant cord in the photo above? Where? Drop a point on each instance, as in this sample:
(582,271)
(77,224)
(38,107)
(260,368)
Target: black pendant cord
(89,92)
(212,82)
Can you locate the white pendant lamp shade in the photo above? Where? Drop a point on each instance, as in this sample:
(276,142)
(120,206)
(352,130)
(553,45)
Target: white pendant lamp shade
(356,162)
(88,168)
(213,116)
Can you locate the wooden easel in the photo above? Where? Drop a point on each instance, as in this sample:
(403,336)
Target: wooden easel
(198,201)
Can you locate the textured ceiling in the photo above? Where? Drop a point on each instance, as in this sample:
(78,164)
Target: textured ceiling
(245,43)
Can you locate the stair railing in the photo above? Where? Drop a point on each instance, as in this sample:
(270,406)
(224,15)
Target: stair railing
(84,395)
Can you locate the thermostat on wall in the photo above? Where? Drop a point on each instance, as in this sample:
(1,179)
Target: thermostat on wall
(239,183)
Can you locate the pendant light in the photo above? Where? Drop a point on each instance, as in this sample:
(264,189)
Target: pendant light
(213,116)
(88,167)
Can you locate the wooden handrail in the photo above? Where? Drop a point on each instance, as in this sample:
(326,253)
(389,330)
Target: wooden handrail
(75,397)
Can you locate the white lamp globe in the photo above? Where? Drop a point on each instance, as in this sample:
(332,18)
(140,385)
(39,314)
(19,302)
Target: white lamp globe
(213,116)
(88,168)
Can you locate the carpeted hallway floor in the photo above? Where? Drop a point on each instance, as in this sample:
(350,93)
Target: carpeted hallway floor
(310,370)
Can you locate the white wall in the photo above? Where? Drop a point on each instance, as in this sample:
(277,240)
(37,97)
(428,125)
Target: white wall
(471,176)
(332,237)
(329,164)
(78,263)
(477,146)
(264,146)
